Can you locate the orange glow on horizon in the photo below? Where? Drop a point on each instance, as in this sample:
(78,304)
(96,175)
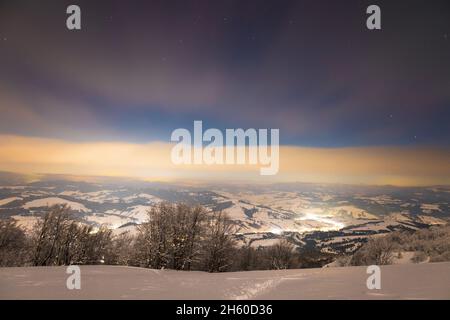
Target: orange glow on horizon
(365,165)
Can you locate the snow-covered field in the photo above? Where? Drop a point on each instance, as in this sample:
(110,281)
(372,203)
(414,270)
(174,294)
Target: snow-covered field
(408,281)
(51,201)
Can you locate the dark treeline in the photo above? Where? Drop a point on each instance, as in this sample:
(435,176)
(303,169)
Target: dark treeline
(179,237)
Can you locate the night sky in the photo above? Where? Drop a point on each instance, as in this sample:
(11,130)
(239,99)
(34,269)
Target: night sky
(140,69)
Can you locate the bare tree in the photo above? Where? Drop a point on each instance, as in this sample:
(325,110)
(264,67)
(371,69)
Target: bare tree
(95,245)
(59,240)
(247,258)
(186,226)
(13,244)
(121,250)
(171,237)
(48,233)
(218,245)
(377,251)
(281,255)
(151,242)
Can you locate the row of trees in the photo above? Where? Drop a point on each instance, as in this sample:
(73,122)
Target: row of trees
(181,237)
(176,236)
(190,238)
(55,239)
(377,251)
(58,240)
(431,244)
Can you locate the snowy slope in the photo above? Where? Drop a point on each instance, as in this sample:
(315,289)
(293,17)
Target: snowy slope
(408,281)
(51,201)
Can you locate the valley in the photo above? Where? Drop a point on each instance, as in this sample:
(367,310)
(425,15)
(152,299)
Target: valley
(332,218)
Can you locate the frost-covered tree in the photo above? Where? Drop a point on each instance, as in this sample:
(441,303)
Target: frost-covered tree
(59,240)
(48,236)
(378,251)
(14,246)
(218,246)
(171,238)
(281,255)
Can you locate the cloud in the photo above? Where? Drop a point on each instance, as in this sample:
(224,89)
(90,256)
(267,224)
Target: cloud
(370,165)
(314,73)
(26,110)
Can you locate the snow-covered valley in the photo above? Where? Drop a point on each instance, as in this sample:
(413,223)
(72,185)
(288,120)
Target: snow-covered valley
(334,218)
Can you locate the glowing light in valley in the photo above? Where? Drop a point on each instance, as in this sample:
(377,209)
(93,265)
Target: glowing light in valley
(276,231)
(332,224)
(310,222)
